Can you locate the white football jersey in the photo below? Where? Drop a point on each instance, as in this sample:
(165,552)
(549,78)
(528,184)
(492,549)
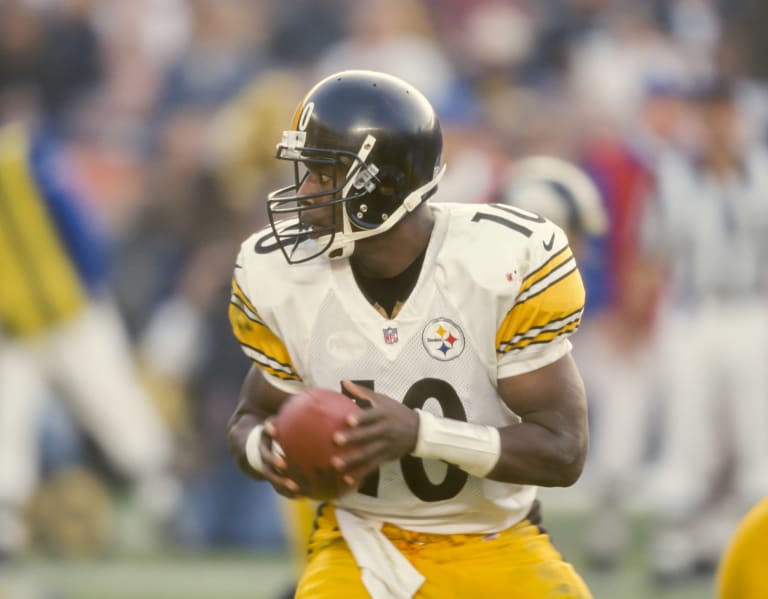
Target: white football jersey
(498,295)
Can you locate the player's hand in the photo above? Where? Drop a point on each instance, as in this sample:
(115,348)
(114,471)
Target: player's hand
(386,431)
(275,466)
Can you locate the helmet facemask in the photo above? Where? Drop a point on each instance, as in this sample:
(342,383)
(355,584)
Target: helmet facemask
(362,203)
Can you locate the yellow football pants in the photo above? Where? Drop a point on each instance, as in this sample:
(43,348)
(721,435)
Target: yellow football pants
(299,522)
(519,562)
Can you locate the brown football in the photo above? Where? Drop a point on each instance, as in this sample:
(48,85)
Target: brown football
(304,427)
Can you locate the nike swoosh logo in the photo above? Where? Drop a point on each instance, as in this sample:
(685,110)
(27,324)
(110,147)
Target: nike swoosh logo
(548,244)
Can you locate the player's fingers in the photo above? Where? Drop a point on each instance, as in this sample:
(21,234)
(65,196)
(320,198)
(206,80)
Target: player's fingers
(362,426)
(273,466)
(364,418)
(355,389)
(359,392)
(354,478)
(282,484)
(271,453)
(288,493)
(368,429)
(362,456)
(351,436)
(274,461)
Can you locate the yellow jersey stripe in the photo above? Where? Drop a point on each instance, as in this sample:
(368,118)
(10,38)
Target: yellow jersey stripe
(240,294)
(544,337)
(40,284)
(267,364)
(556,300)
(545,269)
(538,330)
(564,271)
(260,344)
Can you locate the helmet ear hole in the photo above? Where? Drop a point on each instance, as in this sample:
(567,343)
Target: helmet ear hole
(391,183)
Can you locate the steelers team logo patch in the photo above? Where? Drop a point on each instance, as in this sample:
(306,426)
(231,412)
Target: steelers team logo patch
(443,339)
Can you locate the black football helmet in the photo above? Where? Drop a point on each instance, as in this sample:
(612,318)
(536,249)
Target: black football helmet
(382,135)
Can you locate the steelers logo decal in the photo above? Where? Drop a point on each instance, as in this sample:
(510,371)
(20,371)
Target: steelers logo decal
(443,339)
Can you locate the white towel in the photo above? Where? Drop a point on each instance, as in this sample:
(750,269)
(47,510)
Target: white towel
(386,572)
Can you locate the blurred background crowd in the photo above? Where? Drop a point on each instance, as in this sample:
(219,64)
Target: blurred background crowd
(153,125)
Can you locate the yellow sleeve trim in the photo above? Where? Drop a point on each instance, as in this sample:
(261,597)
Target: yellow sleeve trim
(239,294)
(545,336)
(551,310)
(257,340)
(560,258)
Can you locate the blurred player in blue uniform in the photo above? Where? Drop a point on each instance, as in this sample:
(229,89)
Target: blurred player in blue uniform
(61,336)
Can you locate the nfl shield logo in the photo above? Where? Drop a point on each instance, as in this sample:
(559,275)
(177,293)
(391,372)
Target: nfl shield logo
(390,335)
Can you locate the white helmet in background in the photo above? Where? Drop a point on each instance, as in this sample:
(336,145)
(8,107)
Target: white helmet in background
(557,190)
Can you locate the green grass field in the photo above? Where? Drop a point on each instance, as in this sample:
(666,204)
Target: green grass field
(170,575)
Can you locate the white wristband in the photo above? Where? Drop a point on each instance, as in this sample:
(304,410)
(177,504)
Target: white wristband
(475,448)
(253,448)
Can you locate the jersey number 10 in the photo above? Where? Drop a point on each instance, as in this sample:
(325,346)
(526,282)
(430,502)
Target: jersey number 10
(414,473)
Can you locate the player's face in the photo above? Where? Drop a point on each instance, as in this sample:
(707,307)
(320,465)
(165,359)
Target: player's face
(322,183)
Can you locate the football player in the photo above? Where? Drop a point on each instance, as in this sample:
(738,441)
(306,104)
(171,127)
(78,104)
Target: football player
(450,322)
(741,573)
(60,330)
